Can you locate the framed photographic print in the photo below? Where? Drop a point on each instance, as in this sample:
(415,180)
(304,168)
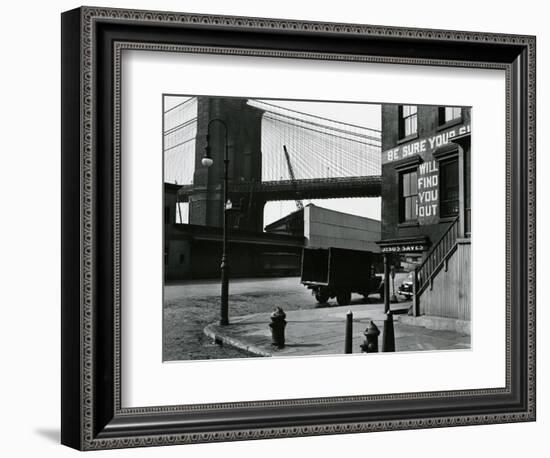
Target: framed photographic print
(276,228)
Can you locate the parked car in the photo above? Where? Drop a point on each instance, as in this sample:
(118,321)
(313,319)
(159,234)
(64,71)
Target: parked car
(406,287)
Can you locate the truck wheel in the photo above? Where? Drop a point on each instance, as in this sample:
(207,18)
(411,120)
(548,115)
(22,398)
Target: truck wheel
(321,297)
(343,298)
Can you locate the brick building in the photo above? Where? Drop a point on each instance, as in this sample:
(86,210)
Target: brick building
(426,202)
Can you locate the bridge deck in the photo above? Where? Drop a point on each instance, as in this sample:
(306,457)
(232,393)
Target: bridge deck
(314,188)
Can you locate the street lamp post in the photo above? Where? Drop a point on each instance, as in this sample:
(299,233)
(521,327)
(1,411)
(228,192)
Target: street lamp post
(207,161)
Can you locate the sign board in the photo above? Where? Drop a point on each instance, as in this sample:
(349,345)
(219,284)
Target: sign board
(424,145)
(427,199)
(410,247)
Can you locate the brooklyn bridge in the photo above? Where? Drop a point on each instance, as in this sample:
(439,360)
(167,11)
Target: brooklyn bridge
(275,153)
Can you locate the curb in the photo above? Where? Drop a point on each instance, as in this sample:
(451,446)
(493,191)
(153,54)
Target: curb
(211,332)
(437,323)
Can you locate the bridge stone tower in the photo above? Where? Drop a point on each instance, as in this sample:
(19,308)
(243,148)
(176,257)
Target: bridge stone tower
(244,126)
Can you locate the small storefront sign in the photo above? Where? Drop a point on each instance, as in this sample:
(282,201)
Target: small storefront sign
(405,247)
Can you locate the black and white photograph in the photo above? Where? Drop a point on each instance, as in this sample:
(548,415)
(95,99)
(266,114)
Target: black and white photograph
(311,227)
(275,229)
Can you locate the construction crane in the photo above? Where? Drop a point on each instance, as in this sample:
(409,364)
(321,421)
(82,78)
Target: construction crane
(299,203)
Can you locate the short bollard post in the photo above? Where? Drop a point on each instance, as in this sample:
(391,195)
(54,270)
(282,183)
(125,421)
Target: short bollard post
(393,297)
(349,332)
(370,345)
(388,340)
(277,326)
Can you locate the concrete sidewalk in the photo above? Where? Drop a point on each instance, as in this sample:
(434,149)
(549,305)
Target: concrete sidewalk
(321,332)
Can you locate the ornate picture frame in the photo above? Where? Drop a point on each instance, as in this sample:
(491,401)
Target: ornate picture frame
(93,416)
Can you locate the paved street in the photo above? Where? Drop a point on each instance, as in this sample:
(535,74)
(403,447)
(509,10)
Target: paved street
(191,306)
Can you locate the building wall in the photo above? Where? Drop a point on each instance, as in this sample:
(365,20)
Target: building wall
(449,296)
(193,252)
(177,261)
(432,134)
(170,203)
(291,224)
(324,228)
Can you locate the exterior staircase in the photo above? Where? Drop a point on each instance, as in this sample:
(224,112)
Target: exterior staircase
(442,286)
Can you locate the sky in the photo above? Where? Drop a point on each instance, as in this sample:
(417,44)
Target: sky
(171,101)
(361,114)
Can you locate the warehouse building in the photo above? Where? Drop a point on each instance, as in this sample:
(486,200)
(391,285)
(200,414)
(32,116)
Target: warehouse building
(325,228)
(193,251)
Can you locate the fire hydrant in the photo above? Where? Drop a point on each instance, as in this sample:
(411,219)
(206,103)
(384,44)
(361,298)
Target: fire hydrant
(370,345)
(277,326)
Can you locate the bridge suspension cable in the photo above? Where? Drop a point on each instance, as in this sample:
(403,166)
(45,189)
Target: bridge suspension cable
(322,147)
(180,131)
(299,203)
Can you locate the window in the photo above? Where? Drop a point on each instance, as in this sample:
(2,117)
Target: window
(449,201)
(448,114)
(408,118)
(182,212)
(409,191)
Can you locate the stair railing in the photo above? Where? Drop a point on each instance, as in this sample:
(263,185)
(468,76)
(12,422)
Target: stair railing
(436,258)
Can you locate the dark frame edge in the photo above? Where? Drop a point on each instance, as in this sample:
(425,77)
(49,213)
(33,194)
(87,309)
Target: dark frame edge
(114,429)
(523,225)
(71,395)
